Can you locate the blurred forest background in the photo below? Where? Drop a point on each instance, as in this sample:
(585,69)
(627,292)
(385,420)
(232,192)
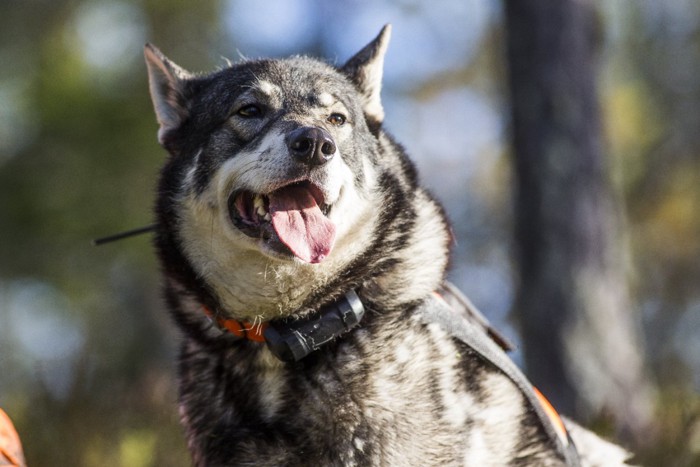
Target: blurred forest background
(86,348)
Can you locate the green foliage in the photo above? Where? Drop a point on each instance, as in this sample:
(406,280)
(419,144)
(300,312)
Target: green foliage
(87,170)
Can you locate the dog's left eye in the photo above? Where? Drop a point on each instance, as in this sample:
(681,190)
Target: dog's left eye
(336,119)
(250,111)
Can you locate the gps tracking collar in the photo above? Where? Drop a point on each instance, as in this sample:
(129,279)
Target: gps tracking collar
(290,341)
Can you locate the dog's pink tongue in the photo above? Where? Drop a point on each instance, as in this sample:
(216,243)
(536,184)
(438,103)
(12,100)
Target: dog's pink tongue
(300,224)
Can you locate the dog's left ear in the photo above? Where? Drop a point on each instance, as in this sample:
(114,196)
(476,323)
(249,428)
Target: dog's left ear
(365,69)
(167,83)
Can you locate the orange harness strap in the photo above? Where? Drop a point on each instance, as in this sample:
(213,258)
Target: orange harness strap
(553,416)
(243,329)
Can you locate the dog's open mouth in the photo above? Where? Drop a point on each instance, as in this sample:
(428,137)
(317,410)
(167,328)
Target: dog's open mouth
(295,215)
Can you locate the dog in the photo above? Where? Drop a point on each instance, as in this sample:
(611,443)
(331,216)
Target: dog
(305,266)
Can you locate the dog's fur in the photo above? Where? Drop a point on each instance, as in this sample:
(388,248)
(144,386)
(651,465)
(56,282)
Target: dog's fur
(395,391)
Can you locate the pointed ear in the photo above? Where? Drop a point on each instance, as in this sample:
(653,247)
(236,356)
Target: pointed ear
(365,69)
(166,82)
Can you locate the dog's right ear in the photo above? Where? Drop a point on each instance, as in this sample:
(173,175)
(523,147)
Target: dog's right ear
(365,69)
(166,81)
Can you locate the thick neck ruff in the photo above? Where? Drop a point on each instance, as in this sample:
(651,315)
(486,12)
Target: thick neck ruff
(292,340)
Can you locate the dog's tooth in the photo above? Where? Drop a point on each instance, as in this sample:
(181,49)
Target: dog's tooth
(267,217)
(258,202)
(259,205)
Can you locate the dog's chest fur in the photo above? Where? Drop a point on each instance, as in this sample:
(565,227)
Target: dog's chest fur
(395,392)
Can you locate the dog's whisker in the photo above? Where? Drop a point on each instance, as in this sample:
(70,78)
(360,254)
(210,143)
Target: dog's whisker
(257,325)
(211,232)
(267,266)
(124,235)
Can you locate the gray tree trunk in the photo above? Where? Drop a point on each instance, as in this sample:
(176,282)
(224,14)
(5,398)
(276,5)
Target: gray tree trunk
(581,340)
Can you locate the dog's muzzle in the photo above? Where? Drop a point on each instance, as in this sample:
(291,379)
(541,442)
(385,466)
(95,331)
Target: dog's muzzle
(293,218)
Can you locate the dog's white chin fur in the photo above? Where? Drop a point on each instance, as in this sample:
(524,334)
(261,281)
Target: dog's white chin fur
(251,281)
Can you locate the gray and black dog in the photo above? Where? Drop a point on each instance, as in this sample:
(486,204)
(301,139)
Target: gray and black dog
(305,266)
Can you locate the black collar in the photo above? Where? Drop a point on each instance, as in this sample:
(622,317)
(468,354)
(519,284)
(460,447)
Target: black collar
(292,340)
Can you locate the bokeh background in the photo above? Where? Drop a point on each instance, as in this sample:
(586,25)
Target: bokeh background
(86,348)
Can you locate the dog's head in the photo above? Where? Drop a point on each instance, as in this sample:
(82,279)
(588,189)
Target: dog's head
(272,186)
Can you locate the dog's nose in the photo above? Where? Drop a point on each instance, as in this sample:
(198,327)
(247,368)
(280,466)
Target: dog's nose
(311,145)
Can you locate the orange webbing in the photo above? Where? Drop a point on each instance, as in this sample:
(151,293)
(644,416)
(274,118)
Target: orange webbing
(244,329)
(10,445)
(553,416)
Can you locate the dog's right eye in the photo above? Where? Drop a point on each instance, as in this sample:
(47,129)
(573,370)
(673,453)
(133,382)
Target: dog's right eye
(249,111)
